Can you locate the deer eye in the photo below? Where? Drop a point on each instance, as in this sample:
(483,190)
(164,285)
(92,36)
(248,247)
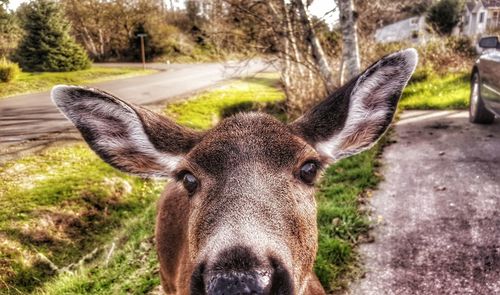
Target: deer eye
(308,172)
(190,183)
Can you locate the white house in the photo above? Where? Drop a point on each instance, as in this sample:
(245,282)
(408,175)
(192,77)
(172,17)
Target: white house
(480,17)
(412,29)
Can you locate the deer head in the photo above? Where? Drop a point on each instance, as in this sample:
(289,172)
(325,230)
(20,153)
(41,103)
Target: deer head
(246,187)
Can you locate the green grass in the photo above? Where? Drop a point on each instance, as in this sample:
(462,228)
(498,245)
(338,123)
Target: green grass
(62,205)
(133,268)
(206,109)
(36,82)
(450,91)
(341,223)
(60,180)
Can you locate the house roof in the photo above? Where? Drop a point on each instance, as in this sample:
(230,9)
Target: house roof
(470,5)
(491,3)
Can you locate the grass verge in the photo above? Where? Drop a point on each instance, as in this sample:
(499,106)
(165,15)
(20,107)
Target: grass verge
(57,207)
(40,186)
(36,82)
(432,91)
(342,221)
(206,109)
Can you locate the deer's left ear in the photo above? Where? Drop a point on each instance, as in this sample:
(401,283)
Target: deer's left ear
(354,117)
(128,137)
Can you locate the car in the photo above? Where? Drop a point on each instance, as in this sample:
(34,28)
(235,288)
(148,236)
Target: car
(485,83)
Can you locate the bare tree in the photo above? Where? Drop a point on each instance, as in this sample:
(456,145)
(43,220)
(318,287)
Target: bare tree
(350,65)
(318,54)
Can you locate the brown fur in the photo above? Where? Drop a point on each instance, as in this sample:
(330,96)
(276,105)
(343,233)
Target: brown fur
(233,148)
(251,213)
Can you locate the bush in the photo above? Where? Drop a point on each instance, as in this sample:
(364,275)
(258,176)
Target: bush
(47,45)
(10,32)
(445,15)
(441,56)
(8,70)
(421,74)
(462,45)
(161,40)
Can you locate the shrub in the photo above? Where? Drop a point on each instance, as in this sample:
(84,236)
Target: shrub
(462,45)
(445,15)
(422,74)
(10,32)
(441,55)
(47,45)
(162,39)
(8,70)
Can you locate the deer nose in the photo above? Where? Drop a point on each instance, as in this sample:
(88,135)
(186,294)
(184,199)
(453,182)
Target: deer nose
(231,283)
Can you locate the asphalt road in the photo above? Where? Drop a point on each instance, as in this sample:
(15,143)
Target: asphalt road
(438,209)
(31,121)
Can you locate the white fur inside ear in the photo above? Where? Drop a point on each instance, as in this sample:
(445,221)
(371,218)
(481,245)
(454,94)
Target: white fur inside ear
(105,120)
(136,138)
(369,104)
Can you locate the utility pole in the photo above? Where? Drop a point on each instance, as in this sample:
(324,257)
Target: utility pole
(143,54)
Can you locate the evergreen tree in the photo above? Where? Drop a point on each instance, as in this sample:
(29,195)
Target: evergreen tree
(47,45)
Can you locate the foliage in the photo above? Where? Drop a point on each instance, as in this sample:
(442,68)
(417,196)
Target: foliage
(306,48)
(376,13)
(450,54)
(463,46)
(135,44)
(10,33)
(163,42)
(444,15)
(9,71)
(108,30)
(35,82)
(47,45)
(428,90)
(204,31)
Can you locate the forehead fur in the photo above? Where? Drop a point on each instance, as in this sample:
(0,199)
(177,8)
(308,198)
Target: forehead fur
(254,137)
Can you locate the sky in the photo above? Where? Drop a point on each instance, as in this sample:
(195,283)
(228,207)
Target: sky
(318,8)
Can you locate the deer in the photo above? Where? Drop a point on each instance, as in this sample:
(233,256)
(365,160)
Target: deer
(238,215)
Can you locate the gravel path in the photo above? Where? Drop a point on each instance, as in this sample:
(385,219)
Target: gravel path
(438,210)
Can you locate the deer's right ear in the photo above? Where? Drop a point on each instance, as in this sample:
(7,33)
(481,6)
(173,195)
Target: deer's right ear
(353,118)
(130,138)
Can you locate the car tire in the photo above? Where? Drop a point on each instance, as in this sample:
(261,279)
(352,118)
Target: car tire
(477,111)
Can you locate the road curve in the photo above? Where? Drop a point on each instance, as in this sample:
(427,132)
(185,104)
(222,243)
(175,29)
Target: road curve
(438,209)
(33,116)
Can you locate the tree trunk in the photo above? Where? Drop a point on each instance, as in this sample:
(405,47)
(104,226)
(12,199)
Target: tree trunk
(319,56)
(282,43)
(89,42)
(291,38)
(350,64)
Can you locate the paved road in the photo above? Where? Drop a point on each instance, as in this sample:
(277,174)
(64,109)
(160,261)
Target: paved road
(438,208)
(33,118)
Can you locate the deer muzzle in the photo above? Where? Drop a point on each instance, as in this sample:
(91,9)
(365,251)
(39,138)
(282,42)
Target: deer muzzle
(254,282)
